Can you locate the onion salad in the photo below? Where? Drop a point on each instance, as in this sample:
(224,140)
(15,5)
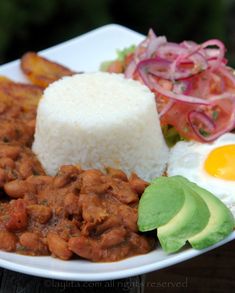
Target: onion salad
(193,86)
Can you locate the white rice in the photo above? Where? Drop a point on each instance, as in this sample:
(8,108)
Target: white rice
(98,120)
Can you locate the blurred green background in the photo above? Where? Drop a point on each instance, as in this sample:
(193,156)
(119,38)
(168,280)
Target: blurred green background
(37,24)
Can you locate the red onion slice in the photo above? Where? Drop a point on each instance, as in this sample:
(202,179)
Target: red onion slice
(228,73)
(212,53)
(145,50)
(154,44)
(166,108)
(202,118)
(163,68)
(228,126)
(199,63)
(220,55)
(183,86)
(188,44)
(154,86)
(170,51)
(156,66)
(130,70)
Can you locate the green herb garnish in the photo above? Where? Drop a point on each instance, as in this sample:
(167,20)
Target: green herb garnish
(121,55)
(204,132)
(171,135)
(215,115)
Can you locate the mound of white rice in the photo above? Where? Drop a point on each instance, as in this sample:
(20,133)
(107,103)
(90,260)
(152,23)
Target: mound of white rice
(98,120)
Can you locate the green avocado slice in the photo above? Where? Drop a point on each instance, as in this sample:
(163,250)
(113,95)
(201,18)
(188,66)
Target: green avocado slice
(160,202)
(190,220)
(220,224)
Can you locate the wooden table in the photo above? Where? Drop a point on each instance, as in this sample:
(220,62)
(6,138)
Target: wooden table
(211,272)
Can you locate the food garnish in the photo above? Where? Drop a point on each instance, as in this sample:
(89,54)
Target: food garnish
(194,87)
(198,217)
(159,204)
(118,65)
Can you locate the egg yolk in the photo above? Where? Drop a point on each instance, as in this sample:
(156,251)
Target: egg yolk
(220,162)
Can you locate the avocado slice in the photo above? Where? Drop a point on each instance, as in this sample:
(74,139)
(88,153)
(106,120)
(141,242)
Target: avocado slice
(190,220)
(160,202)
(221,221)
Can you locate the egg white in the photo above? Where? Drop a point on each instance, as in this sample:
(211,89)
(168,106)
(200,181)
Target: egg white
(187,159)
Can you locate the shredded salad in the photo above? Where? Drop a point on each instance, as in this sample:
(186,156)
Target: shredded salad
(194,87)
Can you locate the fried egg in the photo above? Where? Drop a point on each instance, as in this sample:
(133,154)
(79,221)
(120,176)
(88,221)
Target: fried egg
(211,166)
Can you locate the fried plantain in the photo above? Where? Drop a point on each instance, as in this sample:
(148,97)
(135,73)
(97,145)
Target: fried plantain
(18,100)
(40,71)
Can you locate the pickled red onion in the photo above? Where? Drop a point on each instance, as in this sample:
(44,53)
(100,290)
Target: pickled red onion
(199,77)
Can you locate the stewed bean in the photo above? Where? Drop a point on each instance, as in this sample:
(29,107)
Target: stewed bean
(16,188)
(39,213)
(8,241)
(33,243)
(58,246)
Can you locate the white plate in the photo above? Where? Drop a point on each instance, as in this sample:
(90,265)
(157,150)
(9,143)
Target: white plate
(85,53)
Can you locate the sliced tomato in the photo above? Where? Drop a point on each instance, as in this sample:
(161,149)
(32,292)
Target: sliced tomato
(177,116)
(220,114)
(115,67)
(118,66)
